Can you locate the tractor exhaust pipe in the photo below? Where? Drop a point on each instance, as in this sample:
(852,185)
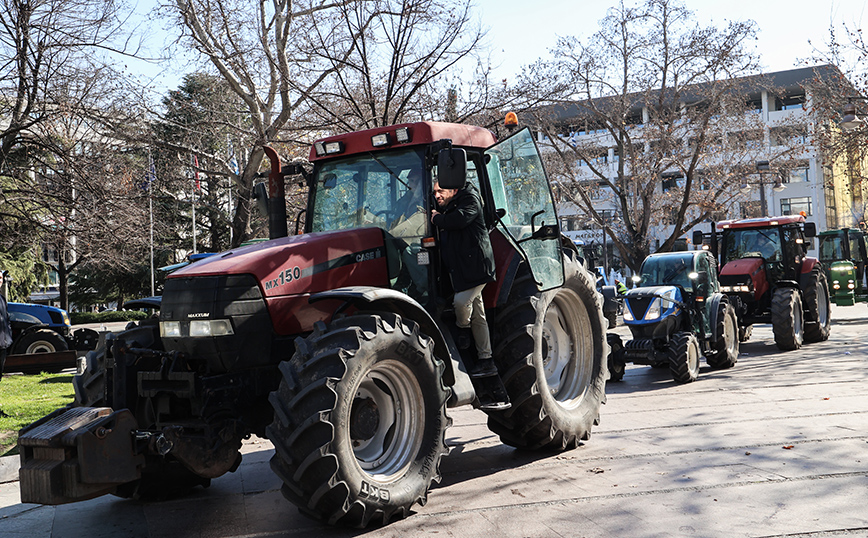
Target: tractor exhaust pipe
(276,197)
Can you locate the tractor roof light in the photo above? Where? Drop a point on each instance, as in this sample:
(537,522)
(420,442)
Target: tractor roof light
(319,147)
(380,140)
(510,120)
(332,148)
(402,135)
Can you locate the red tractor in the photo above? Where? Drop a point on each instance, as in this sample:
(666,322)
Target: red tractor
(768,277)
(340,345)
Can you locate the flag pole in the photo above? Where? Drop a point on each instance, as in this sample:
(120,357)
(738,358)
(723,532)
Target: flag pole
(151,175)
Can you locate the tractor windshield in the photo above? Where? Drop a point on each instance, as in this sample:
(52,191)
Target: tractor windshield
(386,190)
(668,270)
(752,242)
(832,247)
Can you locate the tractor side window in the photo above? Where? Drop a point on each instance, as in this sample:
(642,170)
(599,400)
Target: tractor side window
(830,248)
(855,252)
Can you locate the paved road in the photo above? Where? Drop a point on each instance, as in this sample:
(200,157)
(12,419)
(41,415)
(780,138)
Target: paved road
(776,446)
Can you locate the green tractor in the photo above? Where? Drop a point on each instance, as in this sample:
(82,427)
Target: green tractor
(843,254)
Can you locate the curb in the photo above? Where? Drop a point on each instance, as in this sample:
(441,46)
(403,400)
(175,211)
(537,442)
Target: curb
(9,466)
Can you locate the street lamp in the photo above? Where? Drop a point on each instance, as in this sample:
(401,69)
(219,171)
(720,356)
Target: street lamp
(763,167)
(850,121)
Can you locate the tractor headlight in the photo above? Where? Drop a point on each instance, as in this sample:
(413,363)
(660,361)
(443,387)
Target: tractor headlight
(653,311)
(197,328)
(170,329)
(851,285)
(628,316)
(836,285)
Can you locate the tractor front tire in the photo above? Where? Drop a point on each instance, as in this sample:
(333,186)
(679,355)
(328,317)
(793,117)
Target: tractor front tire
(551,355)
(360,420)
(617,366)
(818,319)
(724,353)
(787,319)
(684,357)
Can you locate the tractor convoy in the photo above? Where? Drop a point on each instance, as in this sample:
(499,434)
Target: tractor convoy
(690,304)
(339,345)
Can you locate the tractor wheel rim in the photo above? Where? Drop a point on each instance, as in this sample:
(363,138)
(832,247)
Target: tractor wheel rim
(390,402)
(566,336)
(39,347)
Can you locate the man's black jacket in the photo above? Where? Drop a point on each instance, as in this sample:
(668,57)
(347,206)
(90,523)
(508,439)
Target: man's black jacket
(464,244)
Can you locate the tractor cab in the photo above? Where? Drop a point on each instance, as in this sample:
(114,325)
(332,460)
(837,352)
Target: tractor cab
(383,178)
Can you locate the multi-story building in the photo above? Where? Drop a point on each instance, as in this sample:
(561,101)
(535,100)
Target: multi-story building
(785,124)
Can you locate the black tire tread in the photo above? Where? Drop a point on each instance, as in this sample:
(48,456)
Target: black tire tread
(785,301)
(815,331)
(678,349)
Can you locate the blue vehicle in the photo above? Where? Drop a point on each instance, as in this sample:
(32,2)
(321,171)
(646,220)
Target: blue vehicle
(44,329)
(677,314)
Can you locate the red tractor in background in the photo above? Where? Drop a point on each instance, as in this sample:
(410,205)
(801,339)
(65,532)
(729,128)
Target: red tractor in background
(769,278)
(339,345)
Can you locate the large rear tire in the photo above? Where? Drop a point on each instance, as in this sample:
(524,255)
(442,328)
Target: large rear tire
(552,355)
(724,353)
(684,357)
(787,319)
(360,420)
(818,319)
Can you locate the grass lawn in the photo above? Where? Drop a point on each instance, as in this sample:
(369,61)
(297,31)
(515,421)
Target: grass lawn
(26,398)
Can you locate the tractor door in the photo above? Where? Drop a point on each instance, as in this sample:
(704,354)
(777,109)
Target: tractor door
(858,254)
(520,188)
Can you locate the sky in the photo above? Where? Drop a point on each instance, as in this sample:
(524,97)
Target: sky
(521,31)
(519,34)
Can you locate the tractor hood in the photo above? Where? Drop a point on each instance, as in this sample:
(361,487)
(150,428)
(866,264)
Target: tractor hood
(651,304)
(743,266)
(303,264)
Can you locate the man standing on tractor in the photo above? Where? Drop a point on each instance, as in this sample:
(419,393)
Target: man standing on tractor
(466,252)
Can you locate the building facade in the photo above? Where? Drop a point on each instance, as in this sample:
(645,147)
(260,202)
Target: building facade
(792,174)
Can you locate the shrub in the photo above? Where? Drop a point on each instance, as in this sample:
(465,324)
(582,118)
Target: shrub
(77,318)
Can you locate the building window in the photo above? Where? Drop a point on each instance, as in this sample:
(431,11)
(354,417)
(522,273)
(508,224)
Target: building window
(672,181)
(798,175)
(794,206)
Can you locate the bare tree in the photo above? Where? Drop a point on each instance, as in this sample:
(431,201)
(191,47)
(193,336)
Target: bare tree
(263,51)
(840,87)
(57,190)
(402,63)
(649,124)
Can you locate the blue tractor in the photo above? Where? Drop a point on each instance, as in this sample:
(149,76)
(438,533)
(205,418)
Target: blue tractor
(676,314)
